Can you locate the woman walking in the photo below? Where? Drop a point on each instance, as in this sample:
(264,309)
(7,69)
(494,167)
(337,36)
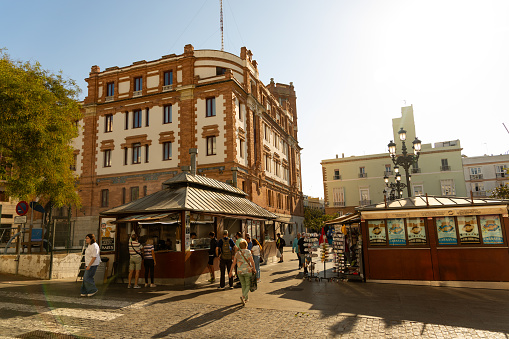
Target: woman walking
(256,250)
(92,260)
(149,261)
(243,260)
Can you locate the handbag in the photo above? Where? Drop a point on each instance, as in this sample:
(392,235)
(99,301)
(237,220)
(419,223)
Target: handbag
(254,284)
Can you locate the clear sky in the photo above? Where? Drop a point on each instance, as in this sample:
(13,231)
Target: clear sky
(353,63)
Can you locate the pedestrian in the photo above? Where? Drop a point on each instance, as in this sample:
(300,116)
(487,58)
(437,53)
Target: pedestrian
(257,252)
(295,248)
(249,242)
(149,261)
(135,258)
(212,256)
(238,239)
(224,250)
(243,260)
(92,260)
(302,252)
(280,244)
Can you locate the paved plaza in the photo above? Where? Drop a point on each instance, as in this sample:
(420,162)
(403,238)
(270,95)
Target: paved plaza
(284,306)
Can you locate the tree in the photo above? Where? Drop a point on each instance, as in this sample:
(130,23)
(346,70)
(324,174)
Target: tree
(314,219)
(38,115)
(501,192)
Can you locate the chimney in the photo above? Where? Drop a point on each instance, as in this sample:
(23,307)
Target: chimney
(342,155)
(194,153)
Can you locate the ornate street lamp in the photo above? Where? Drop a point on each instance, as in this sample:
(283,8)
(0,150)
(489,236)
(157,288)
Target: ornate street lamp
(405,160)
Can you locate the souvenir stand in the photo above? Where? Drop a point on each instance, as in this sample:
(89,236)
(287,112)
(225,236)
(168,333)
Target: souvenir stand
(325,259)
(311,246)
(347,247)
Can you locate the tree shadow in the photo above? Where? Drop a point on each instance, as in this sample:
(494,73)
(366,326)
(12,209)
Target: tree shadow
(198,320)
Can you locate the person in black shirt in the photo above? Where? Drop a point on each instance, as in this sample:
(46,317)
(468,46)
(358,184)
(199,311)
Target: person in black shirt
(212,256)
(302,254)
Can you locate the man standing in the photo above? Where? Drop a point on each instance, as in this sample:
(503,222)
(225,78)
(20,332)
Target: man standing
(212,256)
(295,248)
(303,255)
(224,250)
(280,244)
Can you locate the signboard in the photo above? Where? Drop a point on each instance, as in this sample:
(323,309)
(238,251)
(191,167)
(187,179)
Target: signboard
(396,232)
(434,212)
(468,230)
(446,231)
(22,208)
(188,231)
(416,231)
(20,219)
(108,229)
(36,234)
(376,229)
(491,229)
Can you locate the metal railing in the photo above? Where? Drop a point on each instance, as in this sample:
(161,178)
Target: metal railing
(416,170)
(337,177)
(387,173)
(137,94)
(501,175)
(339,203)
(110,98)
(476,176)
(364,202)
(445,168)
(363,175)
(167,88)
(479,193)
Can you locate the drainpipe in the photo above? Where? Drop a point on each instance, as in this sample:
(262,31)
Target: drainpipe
(194,153)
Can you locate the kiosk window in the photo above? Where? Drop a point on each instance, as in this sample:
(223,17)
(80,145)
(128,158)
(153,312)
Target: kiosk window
(446,231)
(416,231)
(396,232)
(468,230)
(377,235)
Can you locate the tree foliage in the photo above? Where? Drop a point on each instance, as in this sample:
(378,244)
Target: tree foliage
(501,192)
(38,114)
(314,219)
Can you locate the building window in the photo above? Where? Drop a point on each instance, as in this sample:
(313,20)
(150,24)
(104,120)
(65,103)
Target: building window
(388,169)
(220,70)
(418,190)
(104,198)
(126,120)
(338,197)
(167,114)
(168,78)
(138,84)
(267,132)
(144,191)
(337,176)
(211,145)
(362,172)
(267,163)
(447,187)
(136,153)
(108,123)
(167,150)
(147,115)
(123,195)
(478,189)
(242,149)
(500,171)
(445,165)
(475,173)
(110,89)
(211,107)
(135,193)
(126,154)
(137,118)
(107,158)
(237,107)
(146,153)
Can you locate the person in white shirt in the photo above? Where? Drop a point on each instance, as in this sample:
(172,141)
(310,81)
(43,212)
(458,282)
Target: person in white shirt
(92,260)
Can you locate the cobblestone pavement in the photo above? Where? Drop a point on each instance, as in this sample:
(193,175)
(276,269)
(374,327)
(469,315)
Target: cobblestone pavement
(285,306)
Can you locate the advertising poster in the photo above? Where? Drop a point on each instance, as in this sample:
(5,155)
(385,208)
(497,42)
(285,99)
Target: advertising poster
(188,231)
(416,231)
(396,232)
(491,229)
(376,229)
(250,227)
(446,231)
(468,230)
(108,234)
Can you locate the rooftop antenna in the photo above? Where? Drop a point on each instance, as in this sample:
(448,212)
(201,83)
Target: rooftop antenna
(221,20)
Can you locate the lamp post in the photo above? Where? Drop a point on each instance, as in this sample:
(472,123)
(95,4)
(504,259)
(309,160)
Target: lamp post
(405,160)
(394,189)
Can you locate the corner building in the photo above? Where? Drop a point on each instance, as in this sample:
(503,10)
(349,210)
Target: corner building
(140,121)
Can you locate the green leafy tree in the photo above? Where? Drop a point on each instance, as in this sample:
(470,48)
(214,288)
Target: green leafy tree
(501,192)
(38,115)
(314,219)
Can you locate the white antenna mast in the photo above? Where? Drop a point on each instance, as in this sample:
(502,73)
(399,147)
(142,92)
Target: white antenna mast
(222,43)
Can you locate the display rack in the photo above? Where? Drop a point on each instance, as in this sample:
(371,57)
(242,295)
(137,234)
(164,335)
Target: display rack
(347,243)
(325,258)
(311,248)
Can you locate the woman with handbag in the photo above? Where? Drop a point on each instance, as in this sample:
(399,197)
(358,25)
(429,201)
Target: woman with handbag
(135,259)
(245,269)
(256,251)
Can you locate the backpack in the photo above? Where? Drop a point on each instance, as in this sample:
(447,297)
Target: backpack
(226,252)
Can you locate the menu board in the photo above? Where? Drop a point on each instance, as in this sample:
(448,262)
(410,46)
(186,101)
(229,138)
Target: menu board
(377,234)
(468,230)
(416,231)
(491,229)
(446,231)
(396,232)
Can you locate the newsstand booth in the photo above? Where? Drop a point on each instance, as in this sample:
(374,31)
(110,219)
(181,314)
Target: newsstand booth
(442,240)
(188,204)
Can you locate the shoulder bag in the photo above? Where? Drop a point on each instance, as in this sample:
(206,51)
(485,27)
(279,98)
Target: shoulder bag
(138,253)
(254,285)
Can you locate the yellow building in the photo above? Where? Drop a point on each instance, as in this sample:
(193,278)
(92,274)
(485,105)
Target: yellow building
(359,180)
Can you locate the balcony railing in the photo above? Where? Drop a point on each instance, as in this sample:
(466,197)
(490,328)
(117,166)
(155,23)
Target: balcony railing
(364,202)
(339,203)
(479,193)
(110,98)
(167,88)
(387,173)
(476,176)
(337,177)
(445,168)
(501,175)
(416,170)
(363,175)
(137,94)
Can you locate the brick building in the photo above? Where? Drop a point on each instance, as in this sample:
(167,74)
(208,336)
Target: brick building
(140,121)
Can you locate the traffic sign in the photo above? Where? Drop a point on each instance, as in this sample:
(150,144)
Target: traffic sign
(22,208)
(20,219)
(37,207)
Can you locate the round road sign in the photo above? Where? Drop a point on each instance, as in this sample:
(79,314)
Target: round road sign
(22,208)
